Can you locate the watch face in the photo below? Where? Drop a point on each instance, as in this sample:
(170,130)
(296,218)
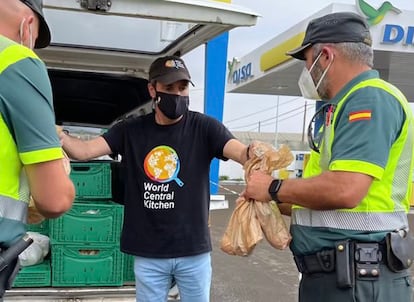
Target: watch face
(274,189)
(275,185)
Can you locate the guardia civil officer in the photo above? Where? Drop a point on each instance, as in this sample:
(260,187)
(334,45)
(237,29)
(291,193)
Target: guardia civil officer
(30,151)
(349,212)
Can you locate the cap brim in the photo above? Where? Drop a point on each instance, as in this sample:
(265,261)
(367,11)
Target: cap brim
(299,52)
(43,39)
(170,78)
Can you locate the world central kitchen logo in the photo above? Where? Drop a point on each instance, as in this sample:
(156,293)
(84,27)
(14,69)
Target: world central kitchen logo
(373,15)
(391,33)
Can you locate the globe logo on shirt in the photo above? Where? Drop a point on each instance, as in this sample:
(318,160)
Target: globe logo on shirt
(162,165)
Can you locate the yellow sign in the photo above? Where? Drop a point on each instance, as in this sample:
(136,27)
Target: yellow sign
(277,55)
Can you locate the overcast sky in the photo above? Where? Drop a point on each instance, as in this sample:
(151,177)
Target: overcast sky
(247,112)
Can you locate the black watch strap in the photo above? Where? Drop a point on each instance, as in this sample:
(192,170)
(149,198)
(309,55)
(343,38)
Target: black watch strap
(274,189)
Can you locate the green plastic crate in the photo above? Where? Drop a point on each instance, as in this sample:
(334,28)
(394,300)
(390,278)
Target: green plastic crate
(38,275)
(92,180)
(129,275)
(88,223)
(80,265)
(42,228)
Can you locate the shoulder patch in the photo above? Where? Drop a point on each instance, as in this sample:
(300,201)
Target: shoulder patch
(359,115)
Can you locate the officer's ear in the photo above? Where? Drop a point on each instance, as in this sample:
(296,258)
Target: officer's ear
(327,55)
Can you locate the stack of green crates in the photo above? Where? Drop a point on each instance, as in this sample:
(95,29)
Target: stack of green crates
(85,241)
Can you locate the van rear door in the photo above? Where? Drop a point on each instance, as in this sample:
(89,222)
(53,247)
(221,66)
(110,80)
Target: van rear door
(100,51)
(125,36)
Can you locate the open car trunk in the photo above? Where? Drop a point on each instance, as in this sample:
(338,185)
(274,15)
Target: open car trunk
(96,99)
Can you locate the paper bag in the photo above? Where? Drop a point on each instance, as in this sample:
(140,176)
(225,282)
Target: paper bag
(243,230)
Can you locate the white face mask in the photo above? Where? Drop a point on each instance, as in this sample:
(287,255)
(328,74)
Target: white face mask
(306,84)
(31,44)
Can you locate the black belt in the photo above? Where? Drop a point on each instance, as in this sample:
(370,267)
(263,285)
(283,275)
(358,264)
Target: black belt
(324,260)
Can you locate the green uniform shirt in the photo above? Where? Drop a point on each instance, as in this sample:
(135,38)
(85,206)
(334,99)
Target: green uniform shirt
(367,125)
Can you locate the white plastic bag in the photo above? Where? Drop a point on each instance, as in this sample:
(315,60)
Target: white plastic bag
(37,251)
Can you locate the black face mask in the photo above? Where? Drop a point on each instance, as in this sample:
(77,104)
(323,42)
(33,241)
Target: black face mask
(173,106)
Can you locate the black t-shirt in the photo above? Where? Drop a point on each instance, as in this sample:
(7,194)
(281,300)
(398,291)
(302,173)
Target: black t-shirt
(167,191)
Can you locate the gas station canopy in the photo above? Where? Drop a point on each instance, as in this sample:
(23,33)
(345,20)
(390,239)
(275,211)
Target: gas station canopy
(267,70)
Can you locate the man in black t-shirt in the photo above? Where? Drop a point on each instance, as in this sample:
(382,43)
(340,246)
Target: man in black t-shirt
(167,156)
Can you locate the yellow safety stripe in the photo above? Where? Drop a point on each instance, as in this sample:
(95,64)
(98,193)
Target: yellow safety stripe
(13,54)
(40,155)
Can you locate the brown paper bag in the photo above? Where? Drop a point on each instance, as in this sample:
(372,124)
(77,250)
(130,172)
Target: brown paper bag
(243,231)
(251,219)
(272,223)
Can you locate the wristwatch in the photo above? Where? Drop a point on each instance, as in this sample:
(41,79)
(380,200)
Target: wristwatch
(274,189)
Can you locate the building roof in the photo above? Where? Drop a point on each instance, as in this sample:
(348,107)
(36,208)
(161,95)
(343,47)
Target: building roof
(267,69)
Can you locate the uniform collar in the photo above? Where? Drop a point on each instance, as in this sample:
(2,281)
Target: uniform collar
(366,75)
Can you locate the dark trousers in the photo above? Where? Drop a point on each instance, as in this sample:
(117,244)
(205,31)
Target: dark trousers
(388,287)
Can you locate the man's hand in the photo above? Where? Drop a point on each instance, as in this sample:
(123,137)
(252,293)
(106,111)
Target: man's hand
(61,133)
(257,186)
(66,160)
(252,148)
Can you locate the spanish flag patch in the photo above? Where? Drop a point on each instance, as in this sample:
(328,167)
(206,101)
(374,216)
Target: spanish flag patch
(360,115)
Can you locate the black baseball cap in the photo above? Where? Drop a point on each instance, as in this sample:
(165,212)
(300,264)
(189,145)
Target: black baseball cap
(168,70)
(334,28)
(43,39)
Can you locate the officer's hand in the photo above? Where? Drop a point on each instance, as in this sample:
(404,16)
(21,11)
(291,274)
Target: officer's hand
(257,186)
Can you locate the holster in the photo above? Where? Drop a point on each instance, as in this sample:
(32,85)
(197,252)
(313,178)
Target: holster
(344,263)
(400,250)
(9,262)
(7,276)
